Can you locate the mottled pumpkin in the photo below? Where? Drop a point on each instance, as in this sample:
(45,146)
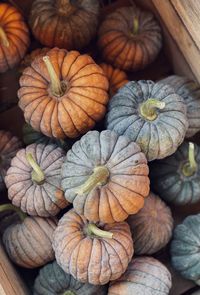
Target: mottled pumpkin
(94,254)
(63,94)
(52,280)
(14,37)
(176,178)
(105,176)
(64,23)
(29,243)
(9,145)
(130,38)
(116,78)
(185,248)
(150,114)
(34,180)
(152,226)
(144,276)
(190,91)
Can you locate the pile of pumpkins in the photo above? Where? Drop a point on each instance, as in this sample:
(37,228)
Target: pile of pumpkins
(103,242)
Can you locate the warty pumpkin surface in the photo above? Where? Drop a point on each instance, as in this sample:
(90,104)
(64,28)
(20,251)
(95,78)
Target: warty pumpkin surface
(130,38)
(144,276)
(64,23)
(52,280)
(151,114)
(14,37)
(105,176)
(34,181)
(63,94)
(94,254)
(152,226)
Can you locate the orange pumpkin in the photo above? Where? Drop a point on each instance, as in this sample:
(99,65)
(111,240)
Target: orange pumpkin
(14,37)
(63,94)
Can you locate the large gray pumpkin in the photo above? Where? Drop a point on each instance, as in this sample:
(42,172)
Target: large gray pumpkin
(52,280)
(150,114)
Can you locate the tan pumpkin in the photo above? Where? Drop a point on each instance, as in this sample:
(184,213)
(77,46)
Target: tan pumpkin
(130,38)
(14,37)
(63,94)
(92,253)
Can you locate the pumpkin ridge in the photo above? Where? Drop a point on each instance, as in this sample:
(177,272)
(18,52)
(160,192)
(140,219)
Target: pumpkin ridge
(94,73)
(116,198)
(76,93)
(106,242)
(78,106)
(40,225)
(170,126)
(89,64)
(66,110)
(6,8)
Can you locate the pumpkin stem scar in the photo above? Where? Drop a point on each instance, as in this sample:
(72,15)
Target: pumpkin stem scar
(10,207)
(148,109)
(98,177)
(3,38)
(92,229)
(190,167)
(37,173)
(69,292)
(135,25)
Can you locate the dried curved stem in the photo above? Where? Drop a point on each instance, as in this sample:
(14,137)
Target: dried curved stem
(3,38)
(37,173)
(148,109)
(10,207)
(135,26)
(92,229)
(190,167)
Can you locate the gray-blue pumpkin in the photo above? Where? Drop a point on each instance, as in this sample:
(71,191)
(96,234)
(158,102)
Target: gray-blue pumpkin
(151,114)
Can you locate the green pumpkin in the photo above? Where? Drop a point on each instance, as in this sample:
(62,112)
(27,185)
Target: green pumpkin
(177,178)
(185,248)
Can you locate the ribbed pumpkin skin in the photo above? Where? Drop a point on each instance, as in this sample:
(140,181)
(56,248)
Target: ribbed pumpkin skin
(29,244)
(52,280)
(123,49)
(45,199)
(170,183)
(92,259)
(12,23)
(158,138)
(190,91)
(152,226)
(9,145)
(64,23)
(126,187)
(144,276)
(81,106)
(185,253)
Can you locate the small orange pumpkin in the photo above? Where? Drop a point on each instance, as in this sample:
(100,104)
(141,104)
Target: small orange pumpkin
(14,37)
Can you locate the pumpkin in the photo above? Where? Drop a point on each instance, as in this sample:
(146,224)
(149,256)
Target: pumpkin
(34,181)
(116,78)
(176,178)
(152,226)
(150,114)
(63,94)
(130,38)
(190,91)
(14,37)
(185,253)
(53,280)
(144,275)
(91,253)
(64,23)
(105,176)
(9,145)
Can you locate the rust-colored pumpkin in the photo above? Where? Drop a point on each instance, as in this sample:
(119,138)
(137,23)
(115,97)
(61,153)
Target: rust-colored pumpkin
(63,94)
(130,38)
(14,37)
(92,254)
(64,23)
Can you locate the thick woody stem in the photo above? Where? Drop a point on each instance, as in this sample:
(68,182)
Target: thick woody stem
(3,38)
(10,207)
(92,229)
(69,292)
(148,109)
(190,167)
(37,173)
(135,26)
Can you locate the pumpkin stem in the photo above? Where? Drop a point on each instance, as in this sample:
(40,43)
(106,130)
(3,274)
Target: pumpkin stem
(10,207)
(190,167)
(37,173)
(135,26)
(148,109)
(69,292)
(92,229)
(3,38)
(98,177)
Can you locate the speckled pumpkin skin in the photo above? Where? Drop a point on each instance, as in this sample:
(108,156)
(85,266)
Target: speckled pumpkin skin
(190,91)
(29,243)
(144,276)
(185,253)
(152,226)
(170,183)
(158,138)
(52,280)
(126,187)
(89,258)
